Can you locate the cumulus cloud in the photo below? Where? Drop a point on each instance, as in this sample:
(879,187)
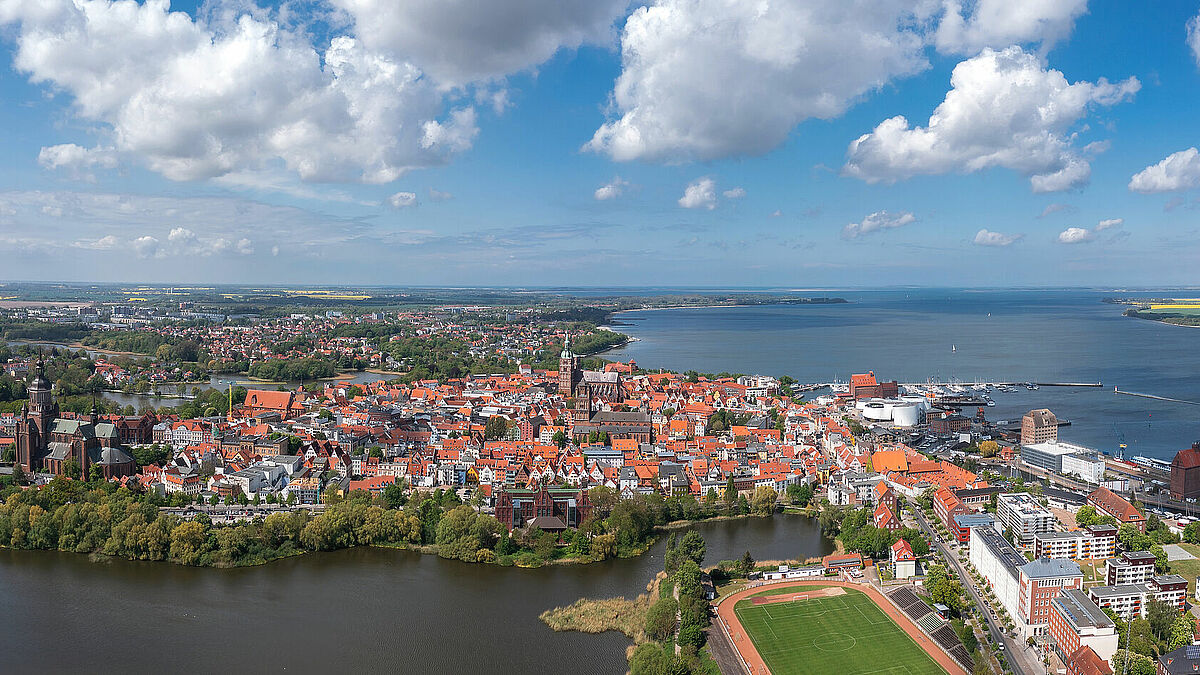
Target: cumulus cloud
(735,193)
(1004,109)
(233,90)
(1178,171)
(460,41)
(402,200)
(700,194)
(146,247)
(439,196)
(1109,223)
(1075,235)
(704,79)
(611,189)
(877,222)
(76,158)
(1000,23)
(986,237)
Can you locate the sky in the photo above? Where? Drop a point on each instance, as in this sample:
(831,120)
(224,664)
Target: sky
(777,143)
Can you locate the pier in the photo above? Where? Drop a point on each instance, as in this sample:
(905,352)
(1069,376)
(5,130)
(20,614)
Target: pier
(1156,398)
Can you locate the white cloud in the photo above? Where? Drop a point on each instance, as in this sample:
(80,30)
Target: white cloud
(460,41)
(105,243)
(146,247)
(402,200)
(439,196)
(777,213)
(877,222)
(1178,171)
(76,158)
(1109,223)
(1193,37)
(735,193)
(1055,208)
(1000,23)
(233,91)
(1004,109)
(988,238)
(1075,235)
(704,79)
(611,189)
(700,194)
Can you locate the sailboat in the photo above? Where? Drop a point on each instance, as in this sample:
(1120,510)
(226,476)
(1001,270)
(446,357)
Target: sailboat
(953,349)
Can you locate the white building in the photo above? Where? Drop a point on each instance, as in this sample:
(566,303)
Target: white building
(1024,517)
(1087,467)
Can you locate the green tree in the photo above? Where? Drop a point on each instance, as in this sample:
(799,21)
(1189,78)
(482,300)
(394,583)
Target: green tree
(72,469)
(496,428)
(762,503)
(1183,631)
(559,439)
(660,618)
(692,547)
(1132,663)
(747,563)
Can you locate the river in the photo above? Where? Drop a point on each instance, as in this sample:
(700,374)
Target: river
(916,334)
(360,609)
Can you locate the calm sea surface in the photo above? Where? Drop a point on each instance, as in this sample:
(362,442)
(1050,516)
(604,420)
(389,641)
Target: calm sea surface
(908,335)
(359,610)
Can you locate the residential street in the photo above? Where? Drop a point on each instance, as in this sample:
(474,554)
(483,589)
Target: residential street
(1021,659)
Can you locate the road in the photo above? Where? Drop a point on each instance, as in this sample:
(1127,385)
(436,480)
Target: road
(1018,659)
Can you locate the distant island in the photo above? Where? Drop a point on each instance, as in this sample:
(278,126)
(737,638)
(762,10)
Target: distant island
(1175,311)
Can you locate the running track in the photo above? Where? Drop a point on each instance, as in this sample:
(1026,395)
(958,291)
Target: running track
(749,654)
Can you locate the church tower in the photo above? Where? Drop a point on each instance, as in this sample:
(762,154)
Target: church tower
(33,430)
(568,365)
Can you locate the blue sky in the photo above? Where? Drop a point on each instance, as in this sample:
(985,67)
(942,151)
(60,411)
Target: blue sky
(465,143)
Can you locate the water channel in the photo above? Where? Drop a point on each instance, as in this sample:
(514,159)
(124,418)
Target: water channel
(355,610)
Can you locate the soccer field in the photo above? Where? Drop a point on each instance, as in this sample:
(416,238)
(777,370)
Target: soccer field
(841,635)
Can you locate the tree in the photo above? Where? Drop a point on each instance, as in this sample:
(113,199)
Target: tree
(988,448)
(1132,538)
(692,547)
(1161,565)
(762,503)
(660,618)
(1162,619)
(1182,632)
(1132,663)
(72,469)
(495,428)
(1191,533)
(559,439)
(747,563)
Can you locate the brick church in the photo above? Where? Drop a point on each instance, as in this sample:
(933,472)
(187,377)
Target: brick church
(46,442)
(593,391)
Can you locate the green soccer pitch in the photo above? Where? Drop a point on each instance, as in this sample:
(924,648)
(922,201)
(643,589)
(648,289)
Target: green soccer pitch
(824,635)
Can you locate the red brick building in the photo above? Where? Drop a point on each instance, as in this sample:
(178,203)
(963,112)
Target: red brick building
(1185,473)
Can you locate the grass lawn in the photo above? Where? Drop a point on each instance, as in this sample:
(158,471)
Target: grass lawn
(1188,569)
(840,634)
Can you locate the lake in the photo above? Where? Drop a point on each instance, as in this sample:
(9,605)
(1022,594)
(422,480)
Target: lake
(1000,335)
(355,610)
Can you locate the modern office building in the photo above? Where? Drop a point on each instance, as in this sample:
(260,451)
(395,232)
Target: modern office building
(1024,517)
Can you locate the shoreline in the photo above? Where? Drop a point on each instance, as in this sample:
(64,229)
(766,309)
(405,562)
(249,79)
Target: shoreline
(424,549)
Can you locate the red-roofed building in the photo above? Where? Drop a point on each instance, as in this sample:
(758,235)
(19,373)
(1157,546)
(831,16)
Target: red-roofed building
(885,519)
(1185,473)
(904,559)
(866,386)
(1085,661)
(260,401)
(1111,504)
